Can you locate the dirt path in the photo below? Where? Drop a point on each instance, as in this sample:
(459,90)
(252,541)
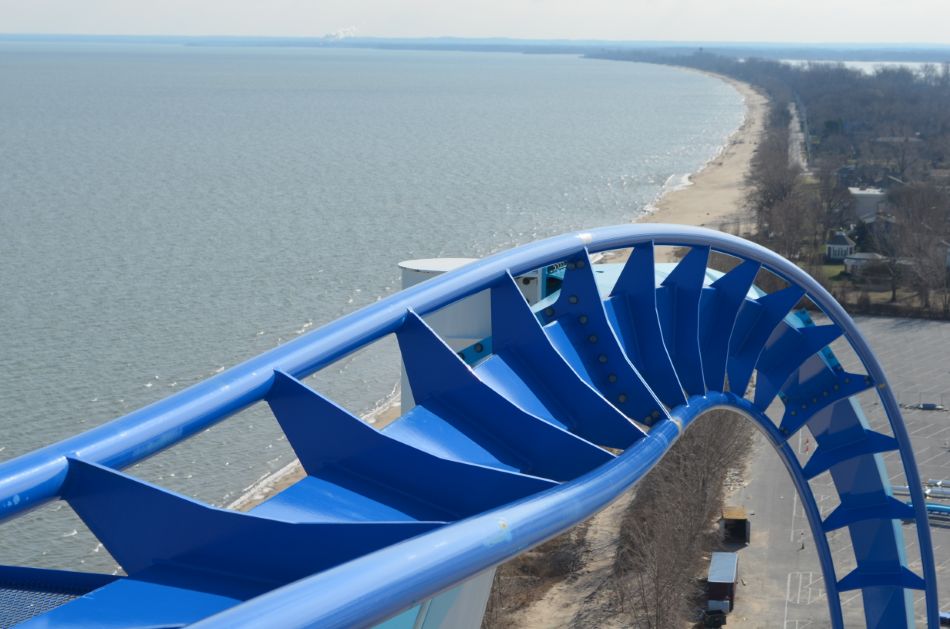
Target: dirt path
(581,601)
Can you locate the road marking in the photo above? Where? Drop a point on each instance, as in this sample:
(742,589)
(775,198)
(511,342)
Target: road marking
(794,507)
(945,428)
(813,584)
(788,589)
(848,599)
(810,583)
(927,460)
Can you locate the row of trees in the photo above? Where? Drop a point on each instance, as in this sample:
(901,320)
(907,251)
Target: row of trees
(669,526)
(916,247)
(889,129)
(894,116)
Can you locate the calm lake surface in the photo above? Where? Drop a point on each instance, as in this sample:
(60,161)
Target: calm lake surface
(168,211)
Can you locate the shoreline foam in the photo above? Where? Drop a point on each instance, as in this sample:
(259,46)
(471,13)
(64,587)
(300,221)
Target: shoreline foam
(717,191)
(712,196)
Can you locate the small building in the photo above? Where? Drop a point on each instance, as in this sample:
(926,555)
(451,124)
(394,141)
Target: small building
(838,247)
(734,525)
(721,583)
(857,263)
(868,203)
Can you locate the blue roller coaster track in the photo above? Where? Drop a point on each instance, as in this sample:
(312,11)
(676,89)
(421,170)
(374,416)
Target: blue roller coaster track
(574,402)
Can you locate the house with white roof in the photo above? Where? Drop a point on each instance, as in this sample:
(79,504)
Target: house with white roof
(868,203)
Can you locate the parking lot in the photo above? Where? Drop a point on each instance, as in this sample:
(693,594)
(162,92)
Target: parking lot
(781,583)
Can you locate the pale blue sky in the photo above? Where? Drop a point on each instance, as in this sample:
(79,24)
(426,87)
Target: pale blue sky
(911,21)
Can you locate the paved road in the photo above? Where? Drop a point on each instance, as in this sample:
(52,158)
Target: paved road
(796,141)
(782,584)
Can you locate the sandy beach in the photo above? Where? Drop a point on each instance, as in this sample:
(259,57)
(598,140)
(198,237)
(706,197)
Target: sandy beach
(714,198)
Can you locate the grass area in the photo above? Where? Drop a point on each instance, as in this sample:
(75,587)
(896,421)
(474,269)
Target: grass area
(831,271)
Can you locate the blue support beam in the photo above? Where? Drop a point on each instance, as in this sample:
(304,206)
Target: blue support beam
(342,452)
(459,417)
(577,326)
(862,580)
(719,309)
(632,309)
(785,354)
(803,400)
(754,325)
(889,509)
(861,480)
(828,455)
(170,539)
(527,370)
(677,302)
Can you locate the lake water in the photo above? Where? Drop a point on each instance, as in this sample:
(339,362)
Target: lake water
(169,211)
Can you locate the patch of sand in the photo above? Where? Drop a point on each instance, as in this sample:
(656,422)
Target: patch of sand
(572,602)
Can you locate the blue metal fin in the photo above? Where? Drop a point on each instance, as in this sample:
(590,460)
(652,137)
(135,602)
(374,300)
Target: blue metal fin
(178,541)
(452,395)
(445,435)
(754,325)
(638,276)
(513,322)
(678,306)
(340,496)
(134,603)
(859,579)
(631,308)
(785,355)
(527,370)
(803,400)
(865,442)
(61,581)
(577,327)
(334,445)
(718,311)
(891,509)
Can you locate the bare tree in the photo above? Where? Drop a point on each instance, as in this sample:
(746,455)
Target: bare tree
(884,238)
(922,233)
(669,525)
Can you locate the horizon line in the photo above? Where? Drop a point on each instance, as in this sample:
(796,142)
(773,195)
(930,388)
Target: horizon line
(330,39)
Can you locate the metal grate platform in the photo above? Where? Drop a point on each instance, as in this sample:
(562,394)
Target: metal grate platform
(22,602)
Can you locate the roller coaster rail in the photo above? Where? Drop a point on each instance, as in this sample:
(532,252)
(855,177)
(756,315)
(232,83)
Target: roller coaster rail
(636,367)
